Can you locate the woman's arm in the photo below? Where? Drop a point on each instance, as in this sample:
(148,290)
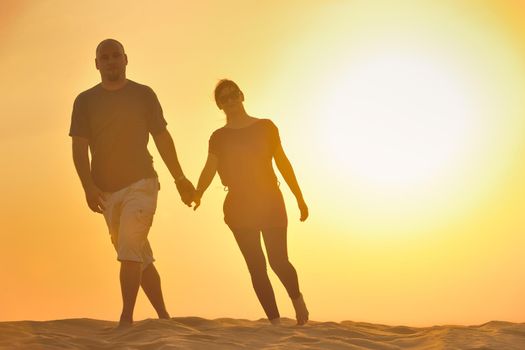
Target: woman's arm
(207,175)
(285,168)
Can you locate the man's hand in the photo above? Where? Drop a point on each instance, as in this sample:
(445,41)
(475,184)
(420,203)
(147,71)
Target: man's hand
(186,191)
(303,208)
(95,198)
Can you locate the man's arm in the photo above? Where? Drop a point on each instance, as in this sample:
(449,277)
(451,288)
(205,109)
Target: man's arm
(167,151)
(94,196)
(207,175)
(285,168)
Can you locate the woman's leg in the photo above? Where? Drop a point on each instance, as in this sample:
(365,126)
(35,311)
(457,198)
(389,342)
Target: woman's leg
(277,249)
(249,242)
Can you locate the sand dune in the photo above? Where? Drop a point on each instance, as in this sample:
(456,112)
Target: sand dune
(225,333)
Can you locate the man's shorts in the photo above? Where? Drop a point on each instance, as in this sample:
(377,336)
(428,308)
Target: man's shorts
(129,215)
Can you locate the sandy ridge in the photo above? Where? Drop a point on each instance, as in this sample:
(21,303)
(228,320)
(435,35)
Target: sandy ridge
(226,333)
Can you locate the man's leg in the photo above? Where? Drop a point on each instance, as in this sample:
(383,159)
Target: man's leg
(151,285)
(133,248)
(130,277)
(130,271)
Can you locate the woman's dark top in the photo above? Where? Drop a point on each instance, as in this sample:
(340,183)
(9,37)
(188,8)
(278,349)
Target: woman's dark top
(245,155)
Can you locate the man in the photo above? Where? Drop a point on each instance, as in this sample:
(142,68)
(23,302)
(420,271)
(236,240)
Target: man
(113,120)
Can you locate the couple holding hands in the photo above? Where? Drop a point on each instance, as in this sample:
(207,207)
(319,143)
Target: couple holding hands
(113,121)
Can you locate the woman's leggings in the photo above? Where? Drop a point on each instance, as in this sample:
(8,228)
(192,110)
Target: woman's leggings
(249,241)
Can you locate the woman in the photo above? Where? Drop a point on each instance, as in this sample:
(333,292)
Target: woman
(242,152)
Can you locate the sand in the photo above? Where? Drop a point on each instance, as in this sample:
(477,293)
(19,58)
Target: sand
(225,333)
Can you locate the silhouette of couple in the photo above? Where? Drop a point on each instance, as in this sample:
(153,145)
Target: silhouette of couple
(113,120)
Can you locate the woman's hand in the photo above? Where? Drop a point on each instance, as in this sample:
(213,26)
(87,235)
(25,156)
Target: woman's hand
(197,198)
(303,208)
(207,174)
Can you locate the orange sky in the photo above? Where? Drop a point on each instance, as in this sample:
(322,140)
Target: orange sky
(403,120)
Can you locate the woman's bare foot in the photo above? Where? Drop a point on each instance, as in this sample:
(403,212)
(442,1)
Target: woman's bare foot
(301,312)
(276,321)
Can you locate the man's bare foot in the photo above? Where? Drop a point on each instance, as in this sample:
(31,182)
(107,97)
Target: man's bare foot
(301,312)
(125,322)
(164,315)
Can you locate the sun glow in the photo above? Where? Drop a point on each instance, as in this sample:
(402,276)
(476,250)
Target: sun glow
(398,119)
(410,123)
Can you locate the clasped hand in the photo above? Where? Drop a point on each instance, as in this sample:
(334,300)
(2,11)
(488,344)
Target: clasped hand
(186,191)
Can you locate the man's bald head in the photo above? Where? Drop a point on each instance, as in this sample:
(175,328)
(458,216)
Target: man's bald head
(109,42)
(111,61)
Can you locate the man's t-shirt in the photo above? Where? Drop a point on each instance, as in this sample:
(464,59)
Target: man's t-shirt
(117,124)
